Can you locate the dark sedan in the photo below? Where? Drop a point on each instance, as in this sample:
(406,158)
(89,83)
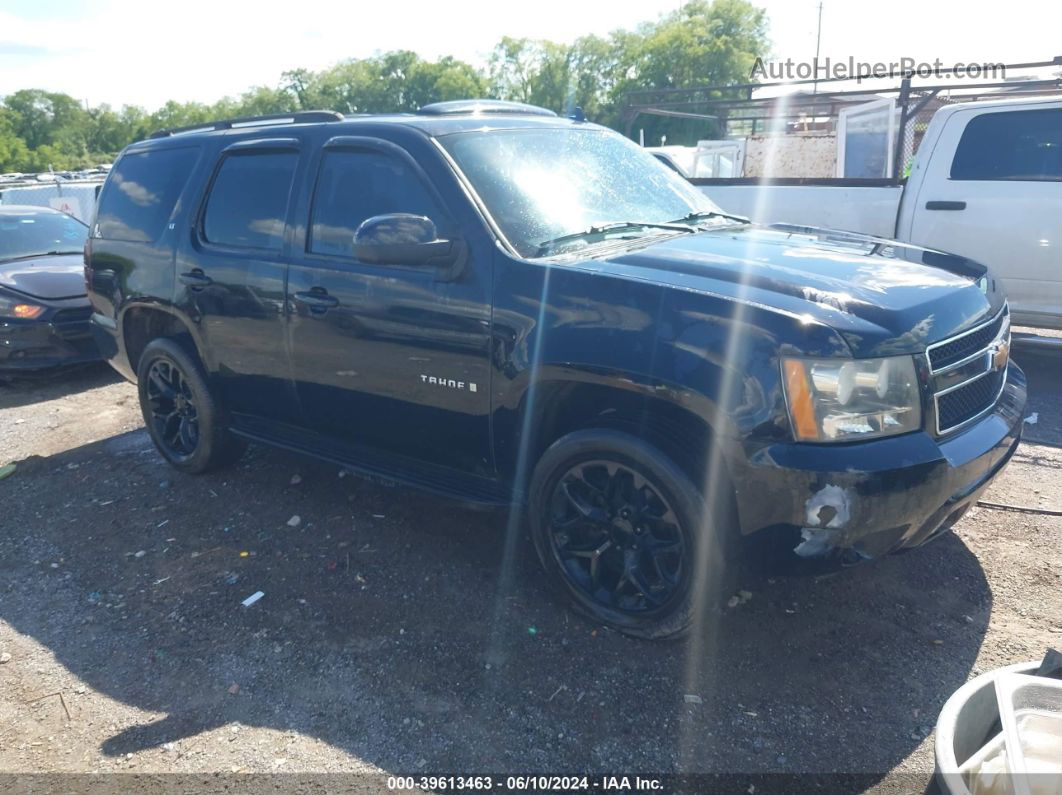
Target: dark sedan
(44,311)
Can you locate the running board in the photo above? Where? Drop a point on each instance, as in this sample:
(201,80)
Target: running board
(387,469)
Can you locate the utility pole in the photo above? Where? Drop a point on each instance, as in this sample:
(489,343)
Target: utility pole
(818,44)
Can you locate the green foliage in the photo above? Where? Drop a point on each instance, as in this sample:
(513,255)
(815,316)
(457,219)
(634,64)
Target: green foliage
(397,82)
(701,43)
(556,76)
(704,42)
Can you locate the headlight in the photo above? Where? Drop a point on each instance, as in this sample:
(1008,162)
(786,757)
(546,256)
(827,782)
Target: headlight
(834,400)
(11,306)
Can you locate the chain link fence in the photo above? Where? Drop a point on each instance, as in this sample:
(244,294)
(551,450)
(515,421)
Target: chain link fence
(76,198)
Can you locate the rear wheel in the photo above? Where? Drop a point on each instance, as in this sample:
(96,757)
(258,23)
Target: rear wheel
(183,417)
(625,534)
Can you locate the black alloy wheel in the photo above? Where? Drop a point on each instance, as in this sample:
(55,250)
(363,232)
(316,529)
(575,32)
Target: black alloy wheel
(174,414)
(184,417)
(617,537)
(624,533)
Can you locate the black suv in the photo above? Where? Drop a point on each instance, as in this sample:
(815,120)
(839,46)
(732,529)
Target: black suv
(494,303)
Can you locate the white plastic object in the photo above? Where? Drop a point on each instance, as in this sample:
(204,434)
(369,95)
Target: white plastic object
(964,725)
(985,773)
(1030,709)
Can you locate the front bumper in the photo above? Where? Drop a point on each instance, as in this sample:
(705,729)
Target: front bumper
(867,499)
(59,338)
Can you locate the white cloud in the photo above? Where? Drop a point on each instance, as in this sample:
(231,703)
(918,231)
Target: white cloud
(127,51)
(133,52)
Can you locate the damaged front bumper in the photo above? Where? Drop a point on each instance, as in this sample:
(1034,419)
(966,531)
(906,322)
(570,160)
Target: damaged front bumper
(861,500)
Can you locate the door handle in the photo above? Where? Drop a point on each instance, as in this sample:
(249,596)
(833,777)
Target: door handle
(942,205)
(195,279)
(317,299)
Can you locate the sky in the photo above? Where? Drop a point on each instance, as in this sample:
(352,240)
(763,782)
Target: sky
(134,52)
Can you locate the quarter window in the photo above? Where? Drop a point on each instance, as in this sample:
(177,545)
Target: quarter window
(1021,145)
(248,202)
(141,192)
(356,185)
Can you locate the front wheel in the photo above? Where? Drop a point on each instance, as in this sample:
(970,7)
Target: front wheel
(625,535)
(182,416)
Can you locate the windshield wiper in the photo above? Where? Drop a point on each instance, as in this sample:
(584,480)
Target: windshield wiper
(548,246)
(38,254)
(705,215)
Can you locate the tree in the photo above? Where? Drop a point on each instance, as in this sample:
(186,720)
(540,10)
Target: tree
(704,42)
(389,83)
(14,153)
(560,77)
(513,68)
(438,81)
(42,117)
(178,114)
(298,82)
(262,101)
(701,43)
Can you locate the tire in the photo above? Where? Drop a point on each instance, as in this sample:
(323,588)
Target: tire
(651,599)
(185,420)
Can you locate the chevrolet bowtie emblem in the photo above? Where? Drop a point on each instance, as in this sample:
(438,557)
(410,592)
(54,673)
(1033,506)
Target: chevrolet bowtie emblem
(1000,353)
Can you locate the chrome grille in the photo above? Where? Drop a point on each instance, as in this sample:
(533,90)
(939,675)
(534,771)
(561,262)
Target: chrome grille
(980,357)
(958,348)
(963,404)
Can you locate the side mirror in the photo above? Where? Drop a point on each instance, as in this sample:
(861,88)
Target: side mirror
(402,239)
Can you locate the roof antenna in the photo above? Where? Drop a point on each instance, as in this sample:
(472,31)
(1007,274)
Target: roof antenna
(577,114)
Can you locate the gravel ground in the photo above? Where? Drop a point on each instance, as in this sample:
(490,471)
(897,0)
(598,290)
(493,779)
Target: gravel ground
(398,634)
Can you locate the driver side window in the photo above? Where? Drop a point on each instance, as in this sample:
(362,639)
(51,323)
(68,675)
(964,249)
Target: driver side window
(356,185)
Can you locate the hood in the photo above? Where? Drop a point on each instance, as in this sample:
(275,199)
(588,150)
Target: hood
(881,296)
(46,277)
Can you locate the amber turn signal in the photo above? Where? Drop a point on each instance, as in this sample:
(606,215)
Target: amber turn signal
(27,311)
(801,407)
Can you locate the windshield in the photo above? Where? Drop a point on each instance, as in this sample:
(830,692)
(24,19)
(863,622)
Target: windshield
(544,184)
(31,233)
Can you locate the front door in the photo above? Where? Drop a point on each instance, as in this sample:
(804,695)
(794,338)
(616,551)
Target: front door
(393,358)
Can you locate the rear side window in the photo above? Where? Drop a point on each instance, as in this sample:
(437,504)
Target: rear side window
(1023,145)
(355,185)
(141,192)
(249,200)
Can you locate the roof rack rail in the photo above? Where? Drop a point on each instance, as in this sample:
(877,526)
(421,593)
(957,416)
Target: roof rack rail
(458,107)
(298,117)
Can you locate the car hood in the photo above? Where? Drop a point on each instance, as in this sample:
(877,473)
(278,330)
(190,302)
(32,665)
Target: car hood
(46,277)
(883,297)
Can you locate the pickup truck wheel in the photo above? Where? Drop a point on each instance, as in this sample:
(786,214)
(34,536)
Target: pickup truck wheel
(182,416)
(625,534)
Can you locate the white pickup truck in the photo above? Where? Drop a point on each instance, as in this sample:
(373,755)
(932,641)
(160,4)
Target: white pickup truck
(986,183)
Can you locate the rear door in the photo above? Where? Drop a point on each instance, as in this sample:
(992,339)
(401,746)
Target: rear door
(231,275)
(388,357)
(998,200)
(133,235)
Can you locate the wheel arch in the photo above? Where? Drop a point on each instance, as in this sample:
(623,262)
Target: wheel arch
(563,400)
(141,322)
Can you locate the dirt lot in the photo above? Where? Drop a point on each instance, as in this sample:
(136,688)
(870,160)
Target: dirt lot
(397,634)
